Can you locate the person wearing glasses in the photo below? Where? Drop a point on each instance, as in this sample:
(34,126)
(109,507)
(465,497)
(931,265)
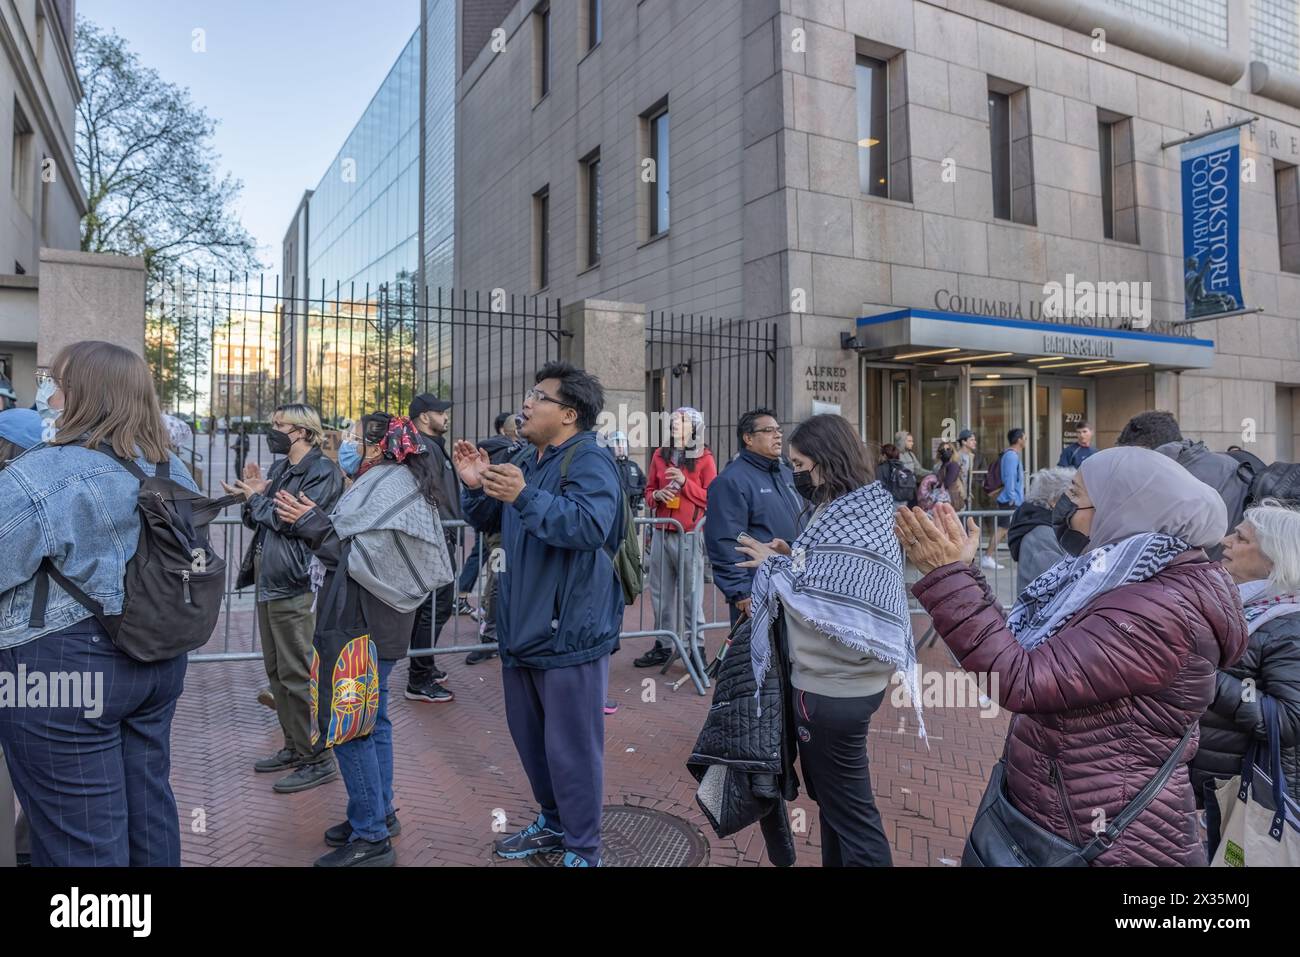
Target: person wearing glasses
(559,604)
(754,495)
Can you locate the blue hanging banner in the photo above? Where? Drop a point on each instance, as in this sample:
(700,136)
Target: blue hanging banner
(1211,234)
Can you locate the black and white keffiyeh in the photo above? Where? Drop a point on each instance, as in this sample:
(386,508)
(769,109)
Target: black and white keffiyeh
(1058,594)
(845,578)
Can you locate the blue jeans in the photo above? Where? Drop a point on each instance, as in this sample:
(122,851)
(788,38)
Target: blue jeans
(367,769)
(93,778)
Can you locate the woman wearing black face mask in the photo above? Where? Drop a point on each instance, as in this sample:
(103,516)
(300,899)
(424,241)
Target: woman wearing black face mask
(1108,658)
(276,561)
(832,602)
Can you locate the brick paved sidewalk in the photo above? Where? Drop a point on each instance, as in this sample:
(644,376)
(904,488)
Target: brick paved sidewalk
(455,764)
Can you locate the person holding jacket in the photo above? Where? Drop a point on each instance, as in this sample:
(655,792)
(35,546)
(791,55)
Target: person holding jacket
(678,488)
(755,494)
(1105,661)
(834,599)
(276,561)
(387,527)
(559,603)
(1030,538)
(91,774)
(1262,555)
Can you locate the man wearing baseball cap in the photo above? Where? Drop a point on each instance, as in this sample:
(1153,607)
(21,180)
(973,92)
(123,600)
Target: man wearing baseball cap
(431,417)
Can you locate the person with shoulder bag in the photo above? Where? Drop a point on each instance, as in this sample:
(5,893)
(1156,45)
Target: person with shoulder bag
(1107,662)
(91,766)
(380,553)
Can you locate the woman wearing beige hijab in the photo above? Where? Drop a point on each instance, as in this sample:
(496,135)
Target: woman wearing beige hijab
(1108,658)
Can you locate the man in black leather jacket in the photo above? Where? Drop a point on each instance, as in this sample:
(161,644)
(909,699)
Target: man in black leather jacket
(276,561)
(425,680)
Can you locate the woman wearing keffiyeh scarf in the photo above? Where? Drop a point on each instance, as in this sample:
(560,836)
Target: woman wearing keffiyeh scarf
(1107,659)
(1262,555)
(835,596)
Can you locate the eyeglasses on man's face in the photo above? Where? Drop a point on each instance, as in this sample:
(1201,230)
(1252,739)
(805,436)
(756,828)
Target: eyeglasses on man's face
(768,430)
(537,395)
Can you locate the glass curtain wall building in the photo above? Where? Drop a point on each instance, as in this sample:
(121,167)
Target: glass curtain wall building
(439,142)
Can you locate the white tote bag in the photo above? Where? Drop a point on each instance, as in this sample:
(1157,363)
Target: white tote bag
(1259,823)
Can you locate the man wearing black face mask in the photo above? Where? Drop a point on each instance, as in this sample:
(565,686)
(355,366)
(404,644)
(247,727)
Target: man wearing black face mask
(276,561)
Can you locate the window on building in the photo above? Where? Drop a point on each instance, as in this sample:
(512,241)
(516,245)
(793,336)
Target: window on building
(542,51)
(1118,177)
(594,24)
(542,238)
(1010,152)
(873,126)
(21,160)
(591,209)
(656,172)
(1287,186)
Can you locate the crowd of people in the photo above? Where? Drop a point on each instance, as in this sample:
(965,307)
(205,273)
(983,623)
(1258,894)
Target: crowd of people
(1151,603)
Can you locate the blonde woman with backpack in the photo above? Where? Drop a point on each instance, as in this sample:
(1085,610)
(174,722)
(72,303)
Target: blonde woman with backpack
(91,766)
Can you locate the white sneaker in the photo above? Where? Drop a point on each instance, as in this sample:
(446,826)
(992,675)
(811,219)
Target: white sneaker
(987,562)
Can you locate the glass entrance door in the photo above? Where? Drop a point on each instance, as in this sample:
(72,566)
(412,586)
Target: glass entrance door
(997,406)
(940,415)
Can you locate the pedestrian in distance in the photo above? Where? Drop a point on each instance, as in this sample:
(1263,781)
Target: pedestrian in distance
(1030,537)
(1108,660)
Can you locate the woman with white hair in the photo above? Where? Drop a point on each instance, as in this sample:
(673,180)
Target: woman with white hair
(1262,555)
(1030,538)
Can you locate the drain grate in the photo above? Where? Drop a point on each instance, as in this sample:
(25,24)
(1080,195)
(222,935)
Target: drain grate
(641,837)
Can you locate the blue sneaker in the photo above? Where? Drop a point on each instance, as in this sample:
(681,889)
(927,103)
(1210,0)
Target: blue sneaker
(536,838)
(573,860)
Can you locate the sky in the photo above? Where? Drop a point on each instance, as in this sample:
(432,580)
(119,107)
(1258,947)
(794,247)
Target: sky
(285,80)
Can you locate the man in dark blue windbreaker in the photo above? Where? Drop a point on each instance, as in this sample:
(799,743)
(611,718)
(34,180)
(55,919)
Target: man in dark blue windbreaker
(754,494)
(559,604)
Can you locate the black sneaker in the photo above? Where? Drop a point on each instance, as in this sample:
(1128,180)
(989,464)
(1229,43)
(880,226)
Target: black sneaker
(341,834)
(432,692)
(306,777)
(360,853)
(653,658)
(282,760)
(475,657)
(536,838)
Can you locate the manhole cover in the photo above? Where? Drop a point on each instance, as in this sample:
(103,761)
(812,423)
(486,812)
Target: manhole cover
(641,837)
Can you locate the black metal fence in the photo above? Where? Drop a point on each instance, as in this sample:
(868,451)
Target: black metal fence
(723,367)
(226,351)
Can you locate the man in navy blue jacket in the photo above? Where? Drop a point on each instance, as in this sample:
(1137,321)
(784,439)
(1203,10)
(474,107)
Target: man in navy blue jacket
(755,494)
(559,603)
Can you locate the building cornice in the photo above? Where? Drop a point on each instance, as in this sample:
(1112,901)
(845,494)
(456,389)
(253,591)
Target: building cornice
(1141,36)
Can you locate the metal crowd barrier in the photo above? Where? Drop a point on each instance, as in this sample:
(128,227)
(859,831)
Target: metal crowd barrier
(237,635)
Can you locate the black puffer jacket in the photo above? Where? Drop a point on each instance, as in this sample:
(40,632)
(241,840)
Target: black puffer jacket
(285,556)
(744,758)
(1272,663)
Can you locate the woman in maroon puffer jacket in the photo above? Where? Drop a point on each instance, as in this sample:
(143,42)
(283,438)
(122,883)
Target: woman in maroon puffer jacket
(1107,658)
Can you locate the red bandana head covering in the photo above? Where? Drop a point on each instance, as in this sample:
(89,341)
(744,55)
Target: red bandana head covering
(401,440)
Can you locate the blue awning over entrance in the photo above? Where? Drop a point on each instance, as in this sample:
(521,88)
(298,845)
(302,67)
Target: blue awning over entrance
(904,333)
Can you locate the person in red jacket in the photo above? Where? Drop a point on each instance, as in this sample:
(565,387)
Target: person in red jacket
(1108,657)
(677,488)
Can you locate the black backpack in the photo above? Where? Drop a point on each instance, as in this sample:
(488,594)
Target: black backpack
(627,559)
(898,480)
(1281,480)
(174,582)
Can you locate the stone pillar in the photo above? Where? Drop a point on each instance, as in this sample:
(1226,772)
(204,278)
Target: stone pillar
(89,296)
(608,340)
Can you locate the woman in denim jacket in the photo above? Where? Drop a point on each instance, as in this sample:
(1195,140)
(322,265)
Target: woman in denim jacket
(89,744)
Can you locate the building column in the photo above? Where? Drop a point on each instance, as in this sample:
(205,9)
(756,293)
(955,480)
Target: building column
(608,340)
(89,296)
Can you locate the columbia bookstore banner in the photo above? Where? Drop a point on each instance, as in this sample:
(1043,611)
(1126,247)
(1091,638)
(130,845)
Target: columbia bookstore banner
(1211,237)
